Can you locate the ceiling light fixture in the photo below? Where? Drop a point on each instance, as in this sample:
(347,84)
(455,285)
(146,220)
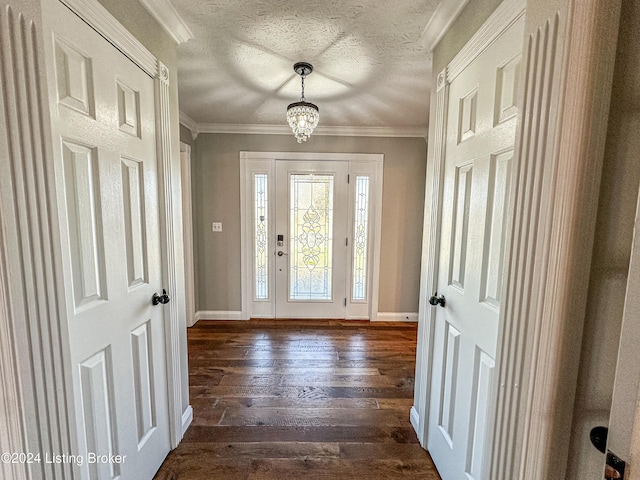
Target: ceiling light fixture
(302,116)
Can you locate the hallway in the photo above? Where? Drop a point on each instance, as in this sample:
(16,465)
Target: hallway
(291,399)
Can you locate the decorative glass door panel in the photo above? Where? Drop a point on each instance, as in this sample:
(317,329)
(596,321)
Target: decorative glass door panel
(360,239)
(310,237)
(261,236)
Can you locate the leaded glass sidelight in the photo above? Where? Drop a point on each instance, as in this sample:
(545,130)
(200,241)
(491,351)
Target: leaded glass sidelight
(311,237)
(261,235)
(360,239)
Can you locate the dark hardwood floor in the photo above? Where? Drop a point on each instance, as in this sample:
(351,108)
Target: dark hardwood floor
(285,399)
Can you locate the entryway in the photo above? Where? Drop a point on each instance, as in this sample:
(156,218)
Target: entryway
(277,399)
(311,234)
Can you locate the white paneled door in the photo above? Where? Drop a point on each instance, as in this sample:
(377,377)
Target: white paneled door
(103,121)
(480,133)
(311,239)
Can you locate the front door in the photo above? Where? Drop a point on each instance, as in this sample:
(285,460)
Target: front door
(481,123)
(103,122)
(311,239)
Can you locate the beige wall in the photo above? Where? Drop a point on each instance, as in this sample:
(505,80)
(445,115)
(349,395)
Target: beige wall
(611,251)
(216,183)
(135,18)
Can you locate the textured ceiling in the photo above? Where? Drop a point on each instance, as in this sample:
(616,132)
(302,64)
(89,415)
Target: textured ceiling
(371,66)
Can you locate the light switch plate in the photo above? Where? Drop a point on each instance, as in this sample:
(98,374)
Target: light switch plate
(216,227)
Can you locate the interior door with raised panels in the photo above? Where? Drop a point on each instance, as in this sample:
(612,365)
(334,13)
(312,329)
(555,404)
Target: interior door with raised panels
(103,120)
(311,239)
(481,124)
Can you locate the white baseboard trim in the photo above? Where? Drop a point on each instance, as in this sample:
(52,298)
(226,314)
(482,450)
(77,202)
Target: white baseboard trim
(396,317)
(218,315)
(187,418)
(414,416)
(237,315)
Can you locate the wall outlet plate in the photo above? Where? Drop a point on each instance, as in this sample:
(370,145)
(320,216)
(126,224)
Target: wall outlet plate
(216,227)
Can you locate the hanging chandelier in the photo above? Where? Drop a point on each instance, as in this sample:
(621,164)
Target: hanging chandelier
(302,116)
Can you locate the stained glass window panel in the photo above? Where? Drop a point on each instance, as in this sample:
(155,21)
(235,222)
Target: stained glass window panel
(311,237)
(360,239)
(261,235)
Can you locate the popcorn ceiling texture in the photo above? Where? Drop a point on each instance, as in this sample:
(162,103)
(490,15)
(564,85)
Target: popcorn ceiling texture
(371,67)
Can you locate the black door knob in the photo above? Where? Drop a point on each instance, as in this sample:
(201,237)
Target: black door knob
(163,299)
(598,436)
(435,300)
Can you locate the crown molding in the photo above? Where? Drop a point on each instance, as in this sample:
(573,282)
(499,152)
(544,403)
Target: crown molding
(167,16)
(258,129)
(321,130)
(442,19)
(190,123)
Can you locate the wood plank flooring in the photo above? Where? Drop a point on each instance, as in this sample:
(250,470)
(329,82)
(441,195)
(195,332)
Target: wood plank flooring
(312,399)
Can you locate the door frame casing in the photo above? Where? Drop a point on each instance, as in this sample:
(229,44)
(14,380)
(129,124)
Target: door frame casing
(568,58)
(266,162)
(187,235)
(31,285)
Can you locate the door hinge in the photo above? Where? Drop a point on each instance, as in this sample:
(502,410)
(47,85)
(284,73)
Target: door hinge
(345,301)
(348,178)
(346,241)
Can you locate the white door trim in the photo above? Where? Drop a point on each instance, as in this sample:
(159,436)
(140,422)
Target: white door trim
(99,18)
(187,233)
(170,224)
(568,70)
(268,159)
(31,286)
(568,61)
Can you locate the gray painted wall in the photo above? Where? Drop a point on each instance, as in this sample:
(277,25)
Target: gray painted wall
(216,195)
